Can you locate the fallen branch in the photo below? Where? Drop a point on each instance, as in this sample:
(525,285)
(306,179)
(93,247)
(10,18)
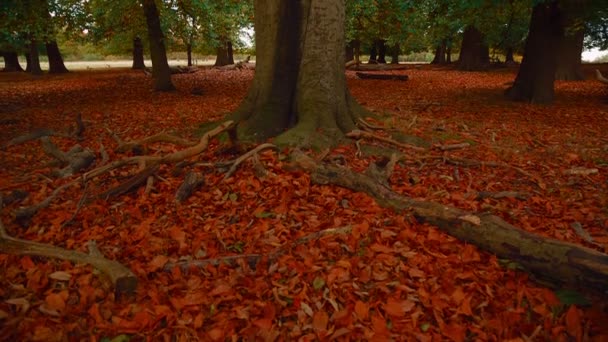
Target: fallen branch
(377,67)
(358,134)
(192,181)
(501,194)
(44,132)
(560,263)
(451,147)
(392,77)
(122,278)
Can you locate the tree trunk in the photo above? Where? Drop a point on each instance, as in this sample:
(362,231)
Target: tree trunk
(439,54)
(56,65)
(448,54)
(189,53)
(299,89)
(474,52)
(569,50)
(396,49)
(534,81)
(11,61)
(373,54)
(509,56)
(28,62)
(160,67)
(138,54)
(349,52)
(34,60)
(224,53)
(381,51)
(357,50)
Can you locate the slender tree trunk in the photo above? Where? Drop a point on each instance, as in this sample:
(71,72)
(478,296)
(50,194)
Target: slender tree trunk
(28,62)
(34,61)
(224,53)
(396,49)
(534,81)
(439,54)
(373,54)
(448,54)
(509,56)
(138,54)
(299,90)
(56,65)
(357,50)
(161,73)
(474,52)
(349,52)
(11,61)
(381,51)
(189,53)
(569,65)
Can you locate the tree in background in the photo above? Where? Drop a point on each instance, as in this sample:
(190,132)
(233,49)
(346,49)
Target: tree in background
(160,67)
(119,26)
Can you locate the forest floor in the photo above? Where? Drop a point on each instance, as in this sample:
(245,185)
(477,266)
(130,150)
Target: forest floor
(391,278)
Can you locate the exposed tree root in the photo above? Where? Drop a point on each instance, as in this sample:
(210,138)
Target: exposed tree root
(560,263)
(246,156)
(358,134)
(122,278)
(253,259)
(139,146)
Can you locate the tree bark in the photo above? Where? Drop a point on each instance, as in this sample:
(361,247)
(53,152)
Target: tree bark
(381,51)
(373,54)
(34,60)
(448,54)
(474,52)
(569,50)
(189,53)
(138,54)
(11,61)
(395,50)
(349,51)
(534,81)
(509,56)
(160,67)
(56,65)
(224,53)
(439,54)
(299,90)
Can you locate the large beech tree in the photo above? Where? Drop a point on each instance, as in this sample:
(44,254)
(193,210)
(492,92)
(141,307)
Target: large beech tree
(299,91)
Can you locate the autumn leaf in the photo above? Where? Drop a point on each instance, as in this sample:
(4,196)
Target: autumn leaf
(320,320)
(362,310)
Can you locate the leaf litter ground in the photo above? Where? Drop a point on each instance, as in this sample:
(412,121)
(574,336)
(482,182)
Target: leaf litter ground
(390,278)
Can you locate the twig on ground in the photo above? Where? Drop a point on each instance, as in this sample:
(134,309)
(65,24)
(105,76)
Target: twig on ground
(451,147)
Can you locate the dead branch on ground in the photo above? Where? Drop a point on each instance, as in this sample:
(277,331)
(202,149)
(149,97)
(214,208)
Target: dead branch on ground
(560,263)
(122,278)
